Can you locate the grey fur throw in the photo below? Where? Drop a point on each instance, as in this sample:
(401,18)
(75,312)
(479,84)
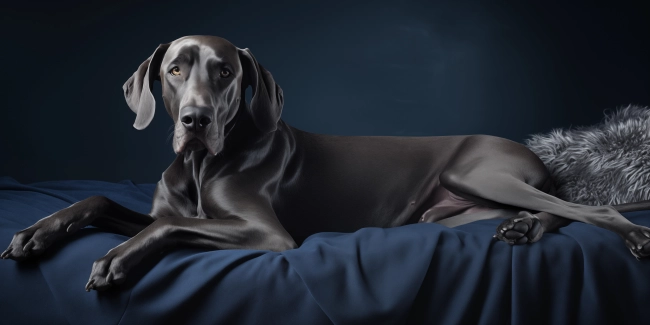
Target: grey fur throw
(607,163)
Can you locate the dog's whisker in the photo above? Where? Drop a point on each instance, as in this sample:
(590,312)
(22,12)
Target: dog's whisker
(171,129)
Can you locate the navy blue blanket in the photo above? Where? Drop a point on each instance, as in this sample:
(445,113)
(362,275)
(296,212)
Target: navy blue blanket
(422,273)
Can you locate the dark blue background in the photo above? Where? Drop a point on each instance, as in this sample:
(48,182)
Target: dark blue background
(353,68)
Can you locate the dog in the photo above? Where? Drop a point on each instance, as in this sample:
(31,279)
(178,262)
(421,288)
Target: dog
(244,179)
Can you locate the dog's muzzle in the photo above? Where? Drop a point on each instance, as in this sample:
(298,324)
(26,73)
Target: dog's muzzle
(195,119)
(196,130)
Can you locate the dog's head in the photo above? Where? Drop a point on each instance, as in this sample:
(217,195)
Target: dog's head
(204,79)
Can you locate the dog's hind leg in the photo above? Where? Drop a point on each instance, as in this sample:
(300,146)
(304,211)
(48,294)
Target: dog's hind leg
(521,227)
(497,172)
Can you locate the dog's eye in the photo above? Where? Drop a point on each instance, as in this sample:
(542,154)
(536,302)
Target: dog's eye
(224,73)
(176,71)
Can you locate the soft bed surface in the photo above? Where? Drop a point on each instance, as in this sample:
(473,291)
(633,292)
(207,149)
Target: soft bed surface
(422,273)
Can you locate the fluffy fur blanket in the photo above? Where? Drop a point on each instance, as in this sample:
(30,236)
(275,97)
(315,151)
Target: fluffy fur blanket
(607,163)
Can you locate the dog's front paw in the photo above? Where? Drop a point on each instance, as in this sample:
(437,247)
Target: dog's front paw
(34,240)
(24,244)
(522,229)
(637,241)
(108,271)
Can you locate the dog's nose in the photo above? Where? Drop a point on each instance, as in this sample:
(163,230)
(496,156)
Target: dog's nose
(195,118)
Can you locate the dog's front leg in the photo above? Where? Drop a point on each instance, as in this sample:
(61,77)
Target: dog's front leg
(96,210)
(165,233)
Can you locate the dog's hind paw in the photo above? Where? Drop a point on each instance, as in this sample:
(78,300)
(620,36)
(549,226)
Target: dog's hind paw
(522,229)
(637,241)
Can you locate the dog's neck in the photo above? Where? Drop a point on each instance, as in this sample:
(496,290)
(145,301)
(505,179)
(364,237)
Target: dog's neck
(241,133)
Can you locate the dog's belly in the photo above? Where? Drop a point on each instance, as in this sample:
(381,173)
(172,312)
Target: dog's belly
(305,215)
(347,209)
(342,184)
(445,204)
(346,212)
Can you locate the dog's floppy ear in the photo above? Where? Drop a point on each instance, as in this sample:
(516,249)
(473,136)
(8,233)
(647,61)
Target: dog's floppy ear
(137,90)
(266,104)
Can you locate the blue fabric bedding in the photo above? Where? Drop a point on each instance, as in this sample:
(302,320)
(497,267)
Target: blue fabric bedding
(422,273)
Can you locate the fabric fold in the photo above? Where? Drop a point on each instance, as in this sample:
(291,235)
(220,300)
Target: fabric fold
(414,274)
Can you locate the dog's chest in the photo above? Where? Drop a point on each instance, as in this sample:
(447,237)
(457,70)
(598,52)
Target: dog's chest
(197,203)
(194,203)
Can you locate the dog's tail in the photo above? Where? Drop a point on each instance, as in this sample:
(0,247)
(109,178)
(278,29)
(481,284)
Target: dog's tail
(632,206)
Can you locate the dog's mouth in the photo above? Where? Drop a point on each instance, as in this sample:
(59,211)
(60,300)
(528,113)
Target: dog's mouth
(189,142)
(195,145)
(209,139)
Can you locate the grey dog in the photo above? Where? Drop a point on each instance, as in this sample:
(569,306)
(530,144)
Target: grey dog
(243,178)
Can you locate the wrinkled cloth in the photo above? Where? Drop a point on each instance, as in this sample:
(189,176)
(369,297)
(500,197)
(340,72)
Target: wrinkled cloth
(414,274)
